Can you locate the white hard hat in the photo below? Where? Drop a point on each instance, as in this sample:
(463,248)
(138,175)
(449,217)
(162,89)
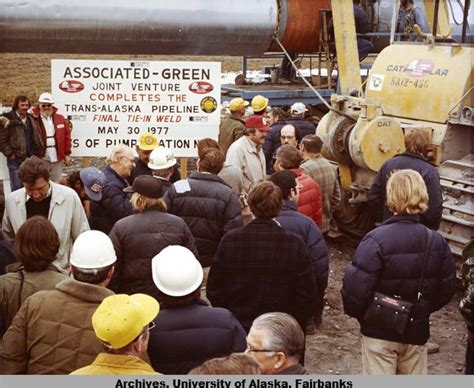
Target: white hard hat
(46,97)
(92,249)
(161,158)
(176,272)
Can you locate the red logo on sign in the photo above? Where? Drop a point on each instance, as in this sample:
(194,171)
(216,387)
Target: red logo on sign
(201,87)
(71,86)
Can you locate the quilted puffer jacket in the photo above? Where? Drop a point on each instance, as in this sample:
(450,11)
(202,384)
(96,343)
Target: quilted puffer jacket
(52,332)
(210,208)
(137,239)
(309,201)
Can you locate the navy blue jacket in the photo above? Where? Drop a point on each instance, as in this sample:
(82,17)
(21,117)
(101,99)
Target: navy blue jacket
(272,142)
(186,336)
(210,209)
(114,204)
(293,221)
(261,268)
(389,260)
(377,193)
(305,127)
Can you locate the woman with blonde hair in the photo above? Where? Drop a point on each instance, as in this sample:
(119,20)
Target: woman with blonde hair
(401,273)
(141,236)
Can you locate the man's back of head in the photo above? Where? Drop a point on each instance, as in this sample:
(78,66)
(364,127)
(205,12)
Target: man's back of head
(286,181)
(265,200)
(211,160)
(288,157)
(418,140)
(92,258)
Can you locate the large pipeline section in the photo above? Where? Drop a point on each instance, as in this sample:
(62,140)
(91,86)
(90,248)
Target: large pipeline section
(191,27)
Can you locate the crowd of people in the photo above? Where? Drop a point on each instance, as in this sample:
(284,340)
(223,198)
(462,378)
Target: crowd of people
(133,270)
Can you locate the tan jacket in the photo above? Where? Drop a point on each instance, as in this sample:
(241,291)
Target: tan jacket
(116,364)
(16,286)
(244,154)
(52,332)
(65,213)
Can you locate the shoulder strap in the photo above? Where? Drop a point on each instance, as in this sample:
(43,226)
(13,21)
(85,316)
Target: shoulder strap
(429,239)
(22,280)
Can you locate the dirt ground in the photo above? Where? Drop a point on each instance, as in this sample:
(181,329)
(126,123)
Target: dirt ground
(30,74)
(335,348)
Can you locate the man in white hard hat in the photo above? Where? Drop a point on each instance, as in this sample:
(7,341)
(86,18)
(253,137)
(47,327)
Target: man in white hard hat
(55,133)
(187,327)
(122,323)
(52,332)
(147,142)
(162,165)
(233,126)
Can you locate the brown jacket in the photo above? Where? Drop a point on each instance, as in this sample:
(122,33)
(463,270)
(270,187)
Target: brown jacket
(52,332)
(231,129)
(12,136)
(18,285)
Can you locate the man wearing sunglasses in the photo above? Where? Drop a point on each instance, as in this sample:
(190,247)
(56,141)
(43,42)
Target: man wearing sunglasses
(55,134)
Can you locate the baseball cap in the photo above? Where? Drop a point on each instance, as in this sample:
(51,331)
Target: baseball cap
(94,181)
(46,98)
(147,142)
(237,103)
(146,185)
(257,121)
(120,319)
(298,108)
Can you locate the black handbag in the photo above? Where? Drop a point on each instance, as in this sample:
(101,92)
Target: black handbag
(391,312)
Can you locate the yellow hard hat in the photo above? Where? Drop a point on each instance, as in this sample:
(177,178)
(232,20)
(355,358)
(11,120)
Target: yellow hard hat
(147,141)
(237,104)
(259,103)
(121,318)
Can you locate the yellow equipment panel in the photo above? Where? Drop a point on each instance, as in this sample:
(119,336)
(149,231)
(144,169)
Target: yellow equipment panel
(423,82)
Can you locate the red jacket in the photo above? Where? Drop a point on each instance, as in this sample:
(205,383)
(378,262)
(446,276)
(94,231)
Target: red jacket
(309,201)
(62,135)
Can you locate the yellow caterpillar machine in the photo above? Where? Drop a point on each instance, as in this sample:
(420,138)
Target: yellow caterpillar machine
(426,84)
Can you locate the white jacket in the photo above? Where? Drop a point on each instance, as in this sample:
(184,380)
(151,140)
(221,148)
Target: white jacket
(65,213)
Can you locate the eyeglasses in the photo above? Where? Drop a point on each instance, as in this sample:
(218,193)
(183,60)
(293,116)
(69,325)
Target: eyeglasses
(151,326)
(46,105)
(131,160)
(249,349)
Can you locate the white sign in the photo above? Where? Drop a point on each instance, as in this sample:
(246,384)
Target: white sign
(112,102)
(376,82)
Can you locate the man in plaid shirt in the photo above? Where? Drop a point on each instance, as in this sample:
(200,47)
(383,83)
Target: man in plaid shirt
(262,268)
(325,174)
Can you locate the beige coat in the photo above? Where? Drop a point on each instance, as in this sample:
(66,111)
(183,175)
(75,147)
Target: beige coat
(52,332)
(65,213)
(244,154)
(11,298)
